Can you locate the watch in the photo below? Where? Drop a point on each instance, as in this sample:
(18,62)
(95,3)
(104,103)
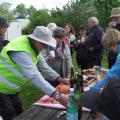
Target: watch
(57,95)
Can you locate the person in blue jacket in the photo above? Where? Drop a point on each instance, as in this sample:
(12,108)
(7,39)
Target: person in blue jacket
(105,102)
(111,40)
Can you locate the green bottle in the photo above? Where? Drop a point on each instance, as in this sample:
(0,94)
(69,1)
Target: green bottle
(78,91)
(72,109)
(72,78)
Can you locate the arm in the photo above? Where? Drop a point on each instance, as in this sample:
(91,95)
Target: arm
(114,72)
(47,71)
(98,35)
(24,61)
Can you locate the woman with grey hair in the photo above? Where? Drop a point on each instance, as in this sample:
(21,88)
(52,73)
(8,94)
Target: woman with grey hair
(61,63)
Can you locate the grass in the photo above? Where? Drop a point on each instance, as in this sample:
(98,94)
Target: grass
(30,93)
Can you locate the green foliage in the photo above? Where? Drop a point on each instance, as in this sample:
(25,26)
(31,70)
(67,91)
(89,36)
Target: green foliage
(31,10)
(29,95)
(40,17)
(103,9)
(20,11)
(5,13)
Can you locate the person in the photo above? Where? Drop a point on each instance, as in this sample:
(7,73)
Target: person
(81,56)
(21,60)
(3,28)
(70,36)
(111,24)
(93,43)
(111,41)
(108,101)
(115,18)
(105,104)
(62,61)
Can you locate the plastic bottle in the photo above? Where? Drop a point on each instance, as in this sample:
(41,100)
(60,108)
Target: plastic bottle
(72,109)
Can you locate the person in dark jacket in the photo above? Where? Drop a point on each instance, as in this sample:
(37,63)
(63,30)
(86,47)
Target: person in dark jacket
(115,17)
(81,56)
(3,28)
(93,43)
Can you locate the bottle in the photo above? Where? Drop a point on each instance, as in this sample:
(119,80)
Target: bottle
(80,79)
(97,69)
(72,78)
(72,109)
(78,91)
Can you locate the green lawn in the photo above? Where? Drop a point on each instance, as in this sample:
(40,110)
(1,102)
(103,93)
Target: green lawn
(30,93)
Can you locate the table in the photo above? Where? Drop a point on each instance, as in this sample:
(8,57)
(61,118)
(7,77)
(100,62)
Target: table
(36,112)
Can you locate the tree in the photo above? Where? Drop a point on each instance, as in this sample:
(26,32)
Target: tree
(5,12)
(31,10)
(39,18)
(103,9)
(20,11)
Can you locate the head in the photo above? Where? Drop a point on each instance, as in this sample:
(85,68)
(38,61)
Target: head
(112,24)
(69,28)
(59,34)
(115,15)
(3,27)
(82,31)
(111,39)
(51,26)
(92,21)
(42,38)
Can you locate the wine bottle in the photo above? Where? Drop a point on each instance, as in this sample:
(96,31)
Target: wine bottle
(72,78)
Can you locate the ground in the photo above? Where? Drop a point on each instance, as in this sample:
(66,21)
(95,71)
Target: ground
(30,93)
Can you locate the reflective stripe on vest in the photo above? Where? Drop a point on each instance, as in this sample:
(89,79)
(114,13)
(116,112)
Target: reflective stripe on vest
(2,79)
(11,68)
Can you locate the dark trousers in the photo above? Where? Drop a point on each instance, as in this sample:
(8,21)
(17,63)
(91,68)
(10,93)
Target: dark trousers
(10,106)
(112,56)
(82,62)
(93,62)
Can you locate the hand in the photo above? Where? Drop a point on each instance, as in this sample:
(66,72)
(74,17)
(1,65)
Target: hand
(91,49)
(63,100)
(65,82)
(50,58)
(71,46)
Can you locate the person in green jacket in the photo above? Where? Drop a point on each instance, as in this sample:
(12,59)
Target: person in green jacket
(21,62)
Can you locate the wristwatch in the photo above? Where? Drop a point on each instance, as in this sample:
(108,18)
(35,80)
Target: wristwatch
(57,95)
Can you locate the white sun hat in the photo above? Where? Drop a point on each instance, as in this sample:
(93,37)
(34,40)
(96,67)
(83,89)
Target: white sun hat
(115,12)
(52,26)
(44,35)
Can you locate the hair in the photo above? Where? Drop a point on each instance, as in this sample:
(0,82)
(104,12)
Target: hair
(93,19)
(111,38)
(51,26)
(59,32)
(71,28)
(82,27)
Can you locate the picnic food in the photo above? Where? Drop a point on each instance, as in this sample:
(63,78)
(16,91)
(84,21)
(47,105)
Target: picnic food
(102,74)
(88,72)
(63,88)
(89,79)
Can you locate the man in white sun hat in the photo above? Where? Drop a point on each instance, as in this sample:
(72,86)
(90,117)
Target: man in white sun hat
(20,62)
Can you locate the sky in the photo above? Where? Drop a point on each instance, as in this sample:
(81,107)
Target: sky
(49,4)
